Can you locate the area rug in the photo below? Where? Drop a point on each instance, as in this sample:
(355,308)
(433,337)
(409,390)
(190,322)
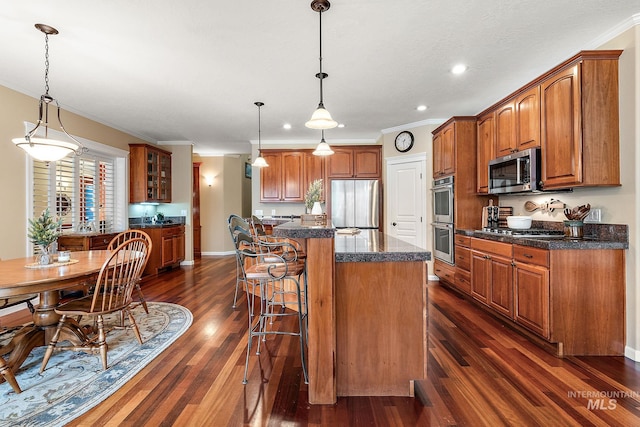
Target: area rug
(74,382)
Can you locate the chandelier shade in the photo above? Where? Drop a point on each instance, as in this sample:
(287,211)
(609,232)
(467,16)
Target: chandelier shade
(323,149)
(321,119)
(259,162)
(44,148)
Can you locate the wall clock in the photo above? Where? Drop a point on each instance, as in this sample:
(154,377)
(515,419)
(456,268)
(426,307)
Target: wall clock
(404,141)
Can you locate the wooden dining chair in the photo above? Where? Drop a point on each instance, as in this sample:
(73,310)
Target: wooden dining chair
(112,293)
(121,238)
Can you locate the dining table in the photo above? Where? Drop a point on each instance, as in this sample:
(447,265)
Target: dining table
(21,276)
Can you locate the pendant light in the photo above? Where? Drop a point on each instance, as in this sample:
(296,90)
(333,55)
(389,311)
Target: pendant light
(44,148)
(321,119)
(323,149)
(259,162)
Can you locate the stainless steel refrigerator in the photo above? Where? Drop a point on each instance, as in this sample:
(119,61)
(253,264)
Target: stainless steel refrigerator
(355,203)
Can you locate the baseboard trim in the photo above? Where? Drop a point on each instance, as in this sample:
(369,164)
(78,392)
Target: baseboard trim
(632,353)
(219,253)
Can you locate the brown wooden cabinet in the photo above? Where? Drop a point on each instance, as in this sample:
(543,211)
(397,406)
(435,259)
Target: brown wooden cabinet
(195,212)
(527,120)
(462,251)
(492,275)
(506,129)
(580,129)
(459,135)
(531,288)
(84,241)
(149,174)
(315,168)
(572,298)
(445,272)
(283,180)
(486,150)
(444,150)
(168,247)
(355,162)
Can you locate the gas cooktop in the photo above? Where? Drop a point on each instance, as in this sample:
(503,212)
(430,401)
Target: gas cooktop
(531,232)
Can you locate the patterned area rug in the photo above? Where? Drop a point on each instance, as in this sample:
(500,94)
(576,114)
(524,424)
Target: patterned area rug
(74,382)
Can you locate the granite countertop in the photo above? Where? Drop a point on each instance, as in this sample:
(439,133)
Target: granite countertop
(165,225)
(374,246)
(296,230)
(596,236)
(365,246)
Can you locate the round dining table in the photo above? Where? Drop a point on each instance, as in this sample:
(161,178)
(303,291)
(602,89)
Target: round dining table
(21,276)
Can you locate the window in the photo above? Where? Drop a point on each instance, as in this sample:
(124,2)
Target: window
(88,192)
(78,190)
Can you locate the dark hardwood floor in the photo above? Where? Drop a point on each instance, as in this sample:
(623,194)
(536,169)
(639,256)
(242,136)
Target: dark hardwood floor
(480,373)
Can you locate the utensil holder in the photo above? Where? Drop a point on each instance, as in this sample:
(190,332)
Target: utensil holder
(574,229)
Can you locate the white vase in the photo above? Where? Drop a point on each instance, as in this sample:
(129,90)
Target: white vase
(45,256)
(317,209)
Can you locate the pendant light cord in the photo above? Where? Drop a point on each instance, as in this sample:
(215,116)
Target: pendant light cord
(321,74)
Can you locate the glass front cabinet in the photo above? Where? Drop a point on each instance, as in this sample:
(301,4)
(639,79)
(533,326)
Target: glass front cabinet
(149,174)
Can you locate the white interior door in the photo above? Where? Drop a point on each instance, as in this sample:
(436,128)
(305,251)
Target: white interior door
(406,196)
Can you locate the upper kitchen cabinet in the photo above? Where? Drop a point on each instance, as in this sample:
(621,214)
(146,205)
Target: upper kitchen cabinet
(527,108)
(315,168)
(486,149)
(456,139)
(283,180)
(444,150)
(355,162)
(579,129)
(517,123)
(149,174)
(506,129)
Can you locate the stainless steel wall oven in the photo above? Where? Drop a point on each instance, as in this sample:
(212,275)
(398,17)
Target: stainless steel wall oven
(443,227)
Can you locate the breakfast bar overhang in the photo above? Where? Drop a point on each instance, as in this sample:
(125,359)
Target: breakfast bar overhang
(367,310)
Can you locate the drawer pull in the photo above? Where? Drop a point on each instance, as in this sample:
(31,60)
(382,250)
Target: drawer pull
(527,256)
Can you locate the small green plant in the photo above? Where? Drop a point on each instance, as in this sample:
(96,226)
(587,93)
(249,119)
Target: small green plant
(45,229)
(314,193)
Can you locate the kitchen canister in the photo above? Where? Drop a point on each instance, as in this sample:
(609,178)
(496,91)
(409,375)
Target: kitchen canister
(574,229)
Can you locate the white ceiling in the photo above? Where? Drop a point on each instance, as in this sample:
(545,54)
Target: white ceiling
(191,70)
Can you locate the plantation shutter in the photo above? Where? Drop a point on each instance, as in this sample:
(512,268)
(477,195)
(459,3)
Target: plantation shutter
(80,190)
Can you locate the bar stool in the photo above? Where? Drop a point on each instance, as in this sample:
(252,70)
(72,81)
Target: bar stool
(237,225)
(263,267)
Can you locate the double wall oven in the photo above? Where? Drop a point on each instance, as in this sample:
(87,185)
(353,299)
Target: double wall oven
(443,228)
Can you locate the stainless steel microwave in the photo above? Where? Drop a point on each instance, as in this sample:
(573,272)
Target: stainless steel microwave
(515,173)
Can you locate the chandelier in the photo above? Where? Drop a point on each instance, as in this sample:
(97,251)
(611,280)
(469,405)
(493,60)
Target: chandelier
(259,162)
(323,149)
(44,148)
(321,119)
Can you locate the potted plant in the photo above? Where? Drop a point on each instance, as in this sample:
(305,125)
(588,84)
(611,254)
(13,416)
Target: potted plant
(43,231)
(313,196)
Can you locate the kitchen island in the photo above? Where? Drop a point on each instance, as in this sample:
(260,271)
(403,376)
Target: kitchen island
(367,312)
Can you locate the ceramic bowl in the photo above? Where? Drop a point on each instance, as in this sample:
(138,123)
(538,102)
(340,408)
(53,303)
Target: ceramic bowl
(519,222)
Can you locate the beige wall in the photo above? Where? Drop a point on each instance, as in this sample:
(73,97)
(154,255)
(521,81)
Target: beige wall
(422,144)
(223,198)
(15,109)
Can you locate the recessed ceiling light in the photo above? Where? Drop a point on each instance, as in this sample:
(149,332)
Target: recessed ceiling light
(286,126)
(421,108)
(341,125)
(459,69)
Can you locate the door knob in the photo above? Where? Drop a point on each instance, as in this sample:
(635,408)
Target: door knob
(394,224)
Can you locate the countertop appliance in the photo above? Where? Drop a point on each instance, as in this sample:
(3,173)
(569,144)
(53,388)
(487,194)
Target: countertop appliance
(355,203)
(515,173)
